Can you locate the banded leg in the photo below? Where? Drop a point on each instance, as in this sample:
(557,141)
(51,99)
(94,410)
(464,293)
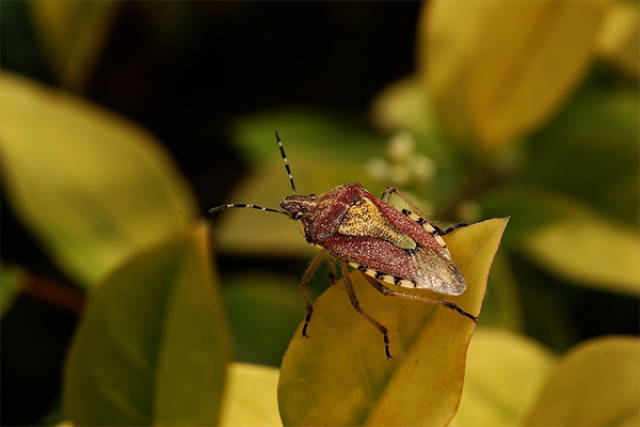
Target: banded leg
(389,191)
(356,305)
(441,232)
(453,228)
(414,215)
(306,278)
(386,195)
(389,293)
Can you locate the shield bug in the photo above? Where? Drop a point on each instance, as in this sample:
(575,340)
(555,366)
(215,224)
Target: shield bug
(388,245)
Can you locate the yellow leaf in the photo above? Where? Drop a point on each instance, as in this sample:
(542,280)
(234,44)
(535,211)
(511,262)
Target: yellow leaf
(250,396)
(73,33)
(90,185)
(505,373)
(618,40)
(591,250)
(596,384)
(339,374)
(497,69)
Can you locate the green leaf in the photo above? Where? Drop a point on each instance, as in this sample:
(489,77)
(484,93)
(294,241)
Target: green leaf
(590,150)
(264,311)
(10,286)
(91,186)
(152,346)
(73,33)
(591,250)
(250,397)
(324,151)
(339,374)
(308,134)
(566,237)
(495,70)
(531,208)
(596,384)
(505,373)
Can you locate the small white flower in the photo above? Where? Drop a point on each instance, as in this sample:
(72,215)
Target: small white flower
(378,169)
(401,146)
(423,167)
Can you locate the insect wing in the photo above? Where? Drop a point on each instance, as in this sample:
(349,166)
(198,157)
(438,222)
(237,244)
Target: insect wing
(435,270)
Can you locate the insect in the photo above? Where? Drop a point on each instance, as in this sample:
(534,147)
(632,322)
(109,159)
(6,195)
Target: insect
(388,245)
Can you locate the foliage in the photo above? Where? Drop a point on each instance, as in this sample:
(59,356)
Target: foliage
(595,384)
(152,345)
(518,77)
(250,396)
(617,42)
(514,110)
(264,311)
(72,34)
(514,381)
(88,214)
(505,373)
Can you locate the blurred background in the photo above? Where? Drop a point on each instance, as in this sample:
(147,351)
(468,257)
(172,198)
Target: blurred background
(124,121)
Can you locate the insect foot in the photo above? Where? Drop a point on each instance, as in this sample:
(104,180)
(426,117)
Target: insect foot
(386,345)
(307,319)
(459,310)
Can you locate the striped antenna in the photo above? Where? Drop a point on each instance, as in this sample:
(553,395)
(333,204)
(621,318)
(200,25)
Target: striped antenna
(246,205)
(286,162)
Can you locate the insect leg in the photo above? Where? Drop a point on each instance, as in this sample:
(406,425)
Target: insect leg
(356,305)
(306,278)
(452,228)
(388,292)
(386,195)
(389,191)
(332,272)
